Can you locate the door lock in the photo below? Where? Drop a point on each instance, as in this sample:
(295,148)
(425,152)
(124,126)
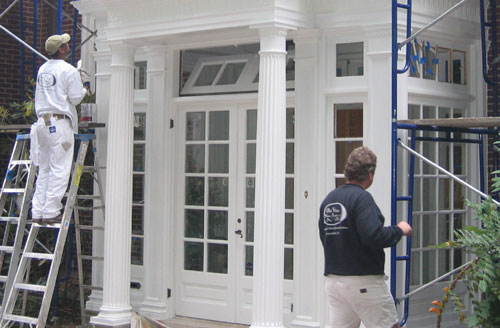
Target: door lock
(238,232)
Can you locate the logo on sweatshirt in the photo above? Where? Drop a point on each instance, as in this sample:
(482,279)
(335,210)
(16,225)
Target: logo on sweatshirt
(46,80)
(334,214)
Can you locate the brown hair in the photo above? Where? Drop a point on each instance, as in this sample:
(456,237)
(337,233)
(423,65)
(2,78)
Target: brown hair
(361,162)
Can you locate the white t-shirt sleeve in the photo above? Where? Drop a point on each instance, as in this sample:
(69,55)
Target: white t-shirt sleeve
(76,92)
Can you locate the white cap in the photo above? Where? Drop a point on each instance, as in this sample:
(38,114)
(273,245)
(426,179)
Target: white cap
(54,42)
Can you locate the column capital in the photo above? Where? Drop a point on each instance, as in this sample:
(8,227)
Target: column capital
(122,53)
(156,57)
(272,38)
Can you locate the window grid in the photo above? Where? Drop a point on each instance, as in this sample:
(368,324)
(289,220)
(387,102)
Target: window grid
(438,206)
(138,177)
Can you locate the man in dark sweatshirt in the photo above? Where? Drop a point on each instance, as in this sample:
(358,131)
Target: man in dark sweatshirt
(352,231)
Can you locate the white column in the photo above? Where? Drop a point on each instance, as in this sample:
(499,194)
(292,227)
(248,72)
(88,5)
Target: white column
(116,309)
(270,181)
(307,97)
(102,77)
(155,273)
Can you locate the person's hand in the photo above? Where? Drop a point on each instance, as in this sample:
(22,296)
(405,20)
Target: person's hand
(405,227)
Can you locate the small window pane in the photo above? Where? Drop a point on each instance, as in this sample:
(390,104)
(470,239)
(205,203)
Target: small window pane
(350,59)
(343,149)
(249,261)
(195,126)
(231,73)
(289,193)
(444,194)
(137,247)
(289,228)
(339,182)
(251,124)
(413,111)
(429,263)
(415,237)
(250,193)
(416,53)
(290,69)
(195,159)
(218,191)
(140,126)
(429,229)
(249,223)
(194,224)
(348,122)
(217,258)
(138,189)
(459,196)
(140,74)
(290,157)
(137,220)
(288,274)
(444,67)
(251,158)
(458,67)
(415,269)
(207,75)
(193,256)
(290,123)
(217,225)
(429,198)
(430,60)
(219,126)
(139,154)
(195,188)
(218,159)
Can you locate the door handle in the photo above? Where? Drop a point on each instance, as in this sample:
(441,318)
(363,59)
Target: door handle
(238,232)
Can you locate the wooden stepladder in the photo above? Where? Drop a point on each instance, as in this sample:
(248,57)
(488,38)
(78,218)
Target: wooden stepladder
(42,287)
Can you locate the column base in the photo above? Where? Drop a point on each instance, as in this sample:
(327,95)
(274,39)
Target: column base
(260,326)
(153,310)
(113,317)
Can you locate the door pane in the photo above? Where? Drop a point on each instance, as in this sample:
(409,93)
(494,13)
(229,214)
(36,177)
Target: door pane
(343,149)
(195,159)
(251,153)
(194,224)
(217,225)
(290,157)
(289,228)
(218,158)
(217,258)
(248,260)
(195,126)
(193,256)
(251,124)
(218,191)
(218,126)
(195,188)
(250,199)
(249,226)
(288,272)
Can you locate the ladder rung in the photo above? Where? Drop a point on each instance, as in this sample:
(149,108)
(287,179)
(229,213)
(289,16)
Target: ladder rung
(88,208)
(3,279)
(52,225)
(7,249)
(32,287)
(87,197)
(13,190)
(92,287)
(20,318)
(21,162)
(87,227)
(41,256)
(90,257)
(9,219)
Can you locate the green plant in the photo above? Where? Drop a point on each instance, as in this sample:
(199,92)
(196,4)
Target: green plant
(482,275)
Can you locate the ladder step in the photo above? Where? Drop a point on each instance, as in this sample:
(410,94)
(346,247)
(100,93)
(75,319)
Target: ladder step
(34,288)
(40,256)
(6,249)
(92,287)
(52,225)
(21,162)
(90,257)
(3,279)
(13,190)
(88,208)
(84,197)
(20,318)
(87,227)
(14,219)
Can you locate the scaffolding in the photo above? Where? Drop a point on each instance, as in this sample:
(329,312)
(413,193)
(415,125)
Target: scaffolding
(477,127)
(61,14)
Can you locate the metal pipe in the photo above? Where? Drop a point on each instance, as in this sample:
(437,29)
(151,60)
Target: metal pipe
(59,16)
(35,37)
(454,177)
(435,281)
(21,63)
(8,8)
(446,13)
(22,41)
(65,14)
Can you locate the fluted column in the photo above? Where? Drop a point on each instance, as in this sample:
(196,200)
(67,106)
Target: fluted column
(116,309)
(270,181)
(154,304)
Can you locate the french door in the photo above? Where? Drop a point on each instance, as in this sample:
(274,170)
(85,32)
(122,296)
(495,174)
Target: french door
(215,212)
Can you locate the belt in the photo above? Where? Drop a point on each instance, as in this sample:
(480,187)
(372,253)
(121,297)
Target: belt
(56,116)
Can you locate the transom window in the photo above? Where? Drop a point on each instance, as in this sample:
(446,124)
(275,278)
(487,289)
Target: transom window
(437,63)
(229,69)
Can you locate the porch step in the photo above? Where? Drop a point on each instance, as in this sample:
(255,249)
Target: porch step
(184,322)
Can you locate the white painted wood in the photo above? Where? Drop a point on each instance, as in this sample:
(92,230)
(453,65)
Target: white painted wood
(270,181)
(116,309)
